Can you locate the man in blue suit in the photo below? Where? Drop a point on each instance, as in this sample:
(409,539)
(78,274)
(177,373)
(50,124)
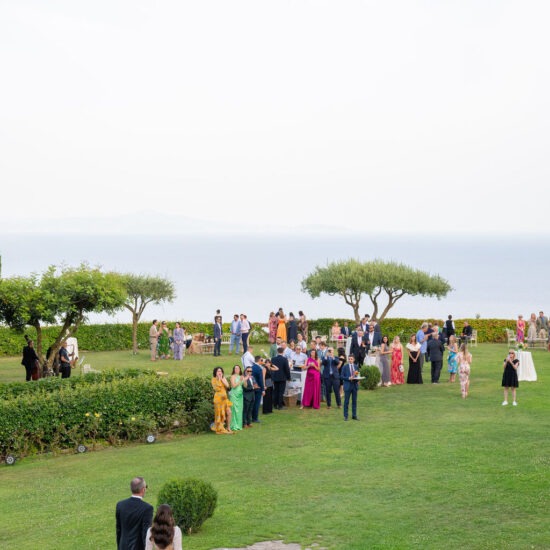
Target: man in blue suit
(350,387)
(331,377)
(259,389)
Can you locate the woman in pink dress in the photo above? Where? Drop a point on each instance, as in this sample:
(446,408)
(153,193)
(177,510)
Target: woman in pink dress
(520,329)
(272,325)
(311,396)
(397,370)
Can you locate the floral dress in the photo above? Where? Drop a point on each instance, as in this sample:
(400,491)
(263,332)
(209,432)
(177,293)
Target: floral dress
(464,371)
(221,403)
(452,361)
(397,371)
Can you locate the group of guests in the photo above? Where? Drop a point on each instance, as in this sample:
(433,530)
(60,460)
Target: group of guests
(136,529)
(239,333)
(537,328)
(287,328)
(163,341)
(63,362)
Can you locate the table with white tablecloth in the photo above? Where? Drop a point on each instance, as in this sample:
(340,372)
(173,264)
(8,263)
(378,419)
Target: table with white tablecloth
(526,369)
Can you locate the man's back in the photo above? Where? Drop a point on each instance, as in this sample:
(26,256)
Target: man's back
(133,518)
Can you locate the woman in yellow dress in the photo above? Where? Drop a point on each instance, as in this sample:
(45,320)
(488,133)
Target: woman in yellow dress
(281,327)
(222,405)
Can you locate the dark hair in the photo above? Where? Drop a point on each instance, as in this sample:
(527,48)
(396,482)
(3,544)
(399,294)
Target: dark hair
(237,367)
(154,321)
(291,314)
(280,350)
(162,530)
(386,337)
(450,317)
(313,351)
(215,370)
(301,313)
(257,358)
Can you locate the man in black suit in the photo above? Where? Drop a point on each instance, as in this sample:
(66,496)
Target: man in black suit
(359,347)
(133,518)
(435,350)
(280,378)
(217,336)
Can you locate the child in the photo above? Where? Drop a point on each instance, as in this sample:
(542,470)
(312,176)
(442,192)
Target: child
(464,359)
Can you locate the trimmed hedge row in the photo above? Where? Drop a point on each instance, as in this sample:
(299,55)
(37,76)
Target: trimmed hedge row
(56,383)
(115,411)
(107,337)
(119,336)
(488,330)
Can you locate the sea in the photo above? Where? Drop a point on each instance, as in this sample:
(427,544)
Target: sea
(492,277)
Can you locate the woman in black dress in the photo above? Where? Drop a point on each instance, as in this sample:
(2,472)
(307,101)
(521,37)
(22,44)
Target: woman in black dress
(414,376)
(267,406)
(292,331)
(30,361)
(510,376)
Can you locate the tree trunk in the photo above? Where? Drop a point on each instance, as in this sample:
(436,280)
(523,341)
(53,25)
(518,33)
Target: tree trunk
(135,320)
(38,329)
(355,306)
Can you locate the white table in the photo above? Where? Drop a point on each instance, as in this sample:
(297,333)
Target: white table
(526,369)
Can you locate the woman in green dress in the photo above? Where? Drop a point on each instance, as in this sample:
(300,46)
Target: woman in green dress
(164,341)
(236,398)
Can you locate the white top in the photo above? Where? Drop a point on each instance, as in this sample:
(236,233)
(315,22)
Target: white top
(176,543)
(414,347)
(526,368)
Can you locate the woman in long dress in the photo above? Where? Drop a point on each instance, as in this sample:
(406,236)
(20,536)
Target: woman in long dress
(179,342)
(452,361)
(464,360)
(385,352)
(164,341)
(311,396)
(267,402)
(281,326)
(397,374)
(164,533)
(520,329)
(532,329)
(236,398)
(510,376)
(414,376)
(272,325)
(222,404)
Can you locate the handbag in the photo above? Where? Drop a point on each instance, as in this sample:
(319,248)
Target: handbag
(35,375)
(269,383)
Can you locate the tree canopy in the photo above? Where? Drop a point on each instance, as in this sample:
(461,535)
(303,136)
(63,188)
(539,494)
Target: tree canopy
(142,290)
(377,279)
(59,295)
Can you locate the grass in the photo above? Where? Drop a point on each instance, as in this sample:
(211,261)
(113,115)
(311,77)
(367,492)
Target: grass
(422,469)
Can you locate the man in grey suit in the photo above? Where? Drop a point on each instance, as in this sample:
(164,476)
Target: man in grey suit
(133,518)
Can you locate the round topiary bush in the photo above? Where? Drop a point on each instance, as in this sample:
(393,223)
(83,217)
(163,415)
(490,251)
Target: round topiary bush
(372,377)
(192,501)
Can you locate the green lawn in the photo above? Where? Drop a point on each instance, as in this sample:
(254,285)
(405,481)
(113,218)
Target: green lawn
(422,469)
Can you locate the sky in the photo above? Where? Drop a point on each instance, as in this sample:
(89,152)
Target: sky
(390,117)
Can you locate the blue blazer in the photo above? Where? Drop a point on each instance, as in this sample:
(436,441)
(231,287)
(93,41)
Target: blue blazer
(217,330)
(331,363)
(258,374)
(345,374)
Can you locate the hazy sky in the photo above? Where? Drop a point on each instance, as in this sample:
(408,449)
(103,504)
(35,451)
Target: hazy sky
(388,115)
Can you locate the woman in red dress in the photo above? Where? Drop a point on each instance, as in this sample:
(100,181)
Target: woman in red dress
(311,397)
(397,370)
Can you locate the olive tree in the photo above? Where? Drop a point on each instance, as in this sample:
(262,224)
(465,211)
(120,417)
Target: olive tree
(142,290)
(62,296)
(383,282)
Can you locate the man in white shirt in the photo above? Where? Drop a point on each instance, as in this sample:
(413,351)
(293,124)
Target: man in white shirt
(298,357)
(245,330)
(247,359)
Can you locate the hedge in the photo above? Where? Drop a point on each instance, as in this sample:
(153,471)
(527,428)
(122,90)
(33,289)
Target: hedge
(488,330)
(119,336)
(107,337)
(109,412)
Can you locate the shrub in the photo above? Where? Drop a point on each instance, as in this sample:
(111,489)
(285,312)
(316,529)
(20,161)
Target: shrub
(192,501)
(112,411)
(372,377)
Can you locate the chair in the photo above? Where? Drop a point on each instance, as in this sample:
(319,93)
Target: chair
(473,338)
(511,337)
